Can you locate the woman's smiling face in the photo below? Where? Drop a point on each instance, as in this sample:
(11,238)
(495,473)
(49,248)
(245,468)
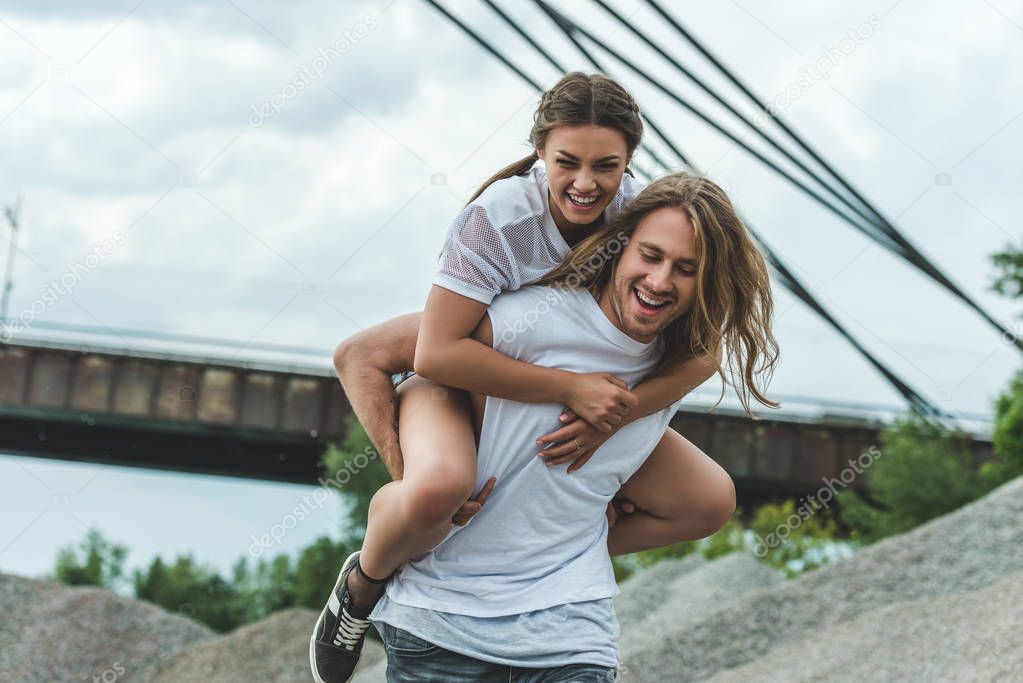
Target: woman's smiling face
(585,164)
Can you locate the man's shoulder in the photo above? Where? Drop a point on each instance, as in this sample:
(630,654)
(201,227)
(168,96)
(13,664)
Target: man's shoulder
(534,313)
(538,294)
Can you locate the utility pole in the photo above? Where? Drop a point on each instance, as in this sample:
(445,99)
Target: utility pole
(12,250)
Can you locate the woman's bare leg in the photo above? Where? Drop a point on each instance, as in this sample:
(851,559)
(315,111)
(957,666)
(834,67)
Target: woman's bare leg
(680,494)
(412,515)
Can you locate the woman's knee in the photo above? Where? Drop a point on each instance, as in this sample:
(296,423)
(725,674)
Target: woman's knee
(436,436)
(716,505)
(722,505)
(434,497)
(702,510)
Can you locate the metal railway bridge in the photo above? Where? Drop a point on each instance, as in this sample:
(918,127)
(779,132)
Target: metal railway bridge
(246,419)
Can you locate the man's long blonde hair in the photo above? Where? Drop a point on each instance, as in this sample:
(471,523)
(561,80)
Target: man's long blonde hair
(731,312)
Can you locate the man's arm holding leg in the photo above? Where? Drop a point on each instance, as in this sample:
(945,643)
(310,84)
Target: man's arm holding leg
(364,363)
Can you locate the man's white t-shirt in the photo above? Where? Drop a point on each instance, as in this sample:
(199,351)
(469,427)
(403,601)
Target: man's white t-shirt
(507,238)
(541,538)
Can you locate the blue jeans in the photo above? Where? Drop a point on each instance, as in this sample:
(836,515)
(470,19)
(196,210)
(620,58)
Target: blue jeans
(412,659)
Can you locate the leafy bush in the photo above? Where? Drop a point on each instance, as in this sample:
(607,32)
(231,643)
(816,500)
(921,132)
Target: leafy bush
(924,471)
(792,538)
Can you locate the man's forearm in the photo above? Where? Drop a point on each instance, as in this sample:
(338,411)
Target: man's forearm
(372,398)
(364,365)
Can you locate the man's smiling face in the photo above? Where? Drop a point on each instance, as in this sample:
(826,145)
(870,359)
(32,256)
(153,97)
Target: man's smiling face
(655,279)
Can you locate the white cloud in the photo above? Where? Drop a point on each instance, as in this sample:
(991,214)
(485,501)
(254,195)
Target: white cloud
(311,185)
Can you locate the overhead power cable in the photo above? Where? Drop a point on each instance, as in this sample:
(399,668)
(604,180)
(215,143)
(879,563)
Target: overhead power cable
(567,24)
(798,139)
(759,132)
(650,123)
(792,283)
(485,45)
(561,68)
(788,280)
(906,248)
(890,238)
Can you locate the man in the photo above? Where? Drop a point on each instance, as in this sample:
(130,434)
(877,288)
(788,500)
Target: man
(523,592)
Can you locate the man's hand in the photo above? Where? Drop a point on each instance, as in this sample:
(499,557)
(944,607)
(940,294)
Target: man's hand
(474,504)
(600,398)
(575,442)
(618,507)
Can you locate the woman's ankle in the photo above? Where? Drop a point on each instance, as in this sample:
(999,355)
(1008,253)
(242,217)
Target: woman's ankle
(364,594)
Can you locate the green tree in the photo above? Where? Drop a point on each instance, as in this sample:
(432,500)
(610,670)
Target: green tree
(924,470)
(276,583)
(97,562)
(316,570)
(192,590)
(265,587)
(1007,438)
(1008,280)
(1008,431)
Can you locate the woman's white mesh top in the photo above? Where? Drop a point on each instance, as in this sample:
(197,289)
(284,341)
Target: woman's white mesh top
(507,237)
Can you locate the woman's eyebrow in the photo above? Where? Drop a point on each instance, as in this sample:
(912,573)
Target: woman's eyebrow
(572,157)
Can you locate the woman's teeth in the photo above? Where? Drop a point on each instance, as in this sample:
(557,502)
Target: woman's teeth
(581,201)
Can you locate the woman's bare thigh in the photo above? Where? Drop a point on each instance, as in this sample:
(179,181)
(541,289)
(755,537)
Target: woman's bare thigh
(676,479)
(435,431)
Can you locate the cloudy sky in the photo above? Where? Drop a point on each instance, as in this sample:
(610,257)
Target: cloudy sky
(233,205)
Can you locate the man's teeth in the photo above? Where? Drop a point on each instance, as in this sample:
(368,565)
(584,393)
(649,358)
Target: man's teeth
(582,200)
(648,301)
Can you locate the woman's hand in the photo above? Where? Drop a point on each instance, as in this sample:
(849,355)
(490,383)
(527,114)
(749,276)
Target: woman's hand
(601,399)
(575,442)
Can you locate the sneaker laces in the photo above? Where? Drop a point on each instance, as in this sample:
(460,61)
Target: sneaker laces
(350,630)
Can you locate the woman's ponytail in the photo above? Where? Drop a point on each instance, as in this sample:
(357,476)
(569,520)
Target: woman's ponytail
(520,167)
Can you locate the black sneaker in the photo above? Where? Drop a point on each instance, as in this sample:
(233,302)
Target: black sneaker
(336,643)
